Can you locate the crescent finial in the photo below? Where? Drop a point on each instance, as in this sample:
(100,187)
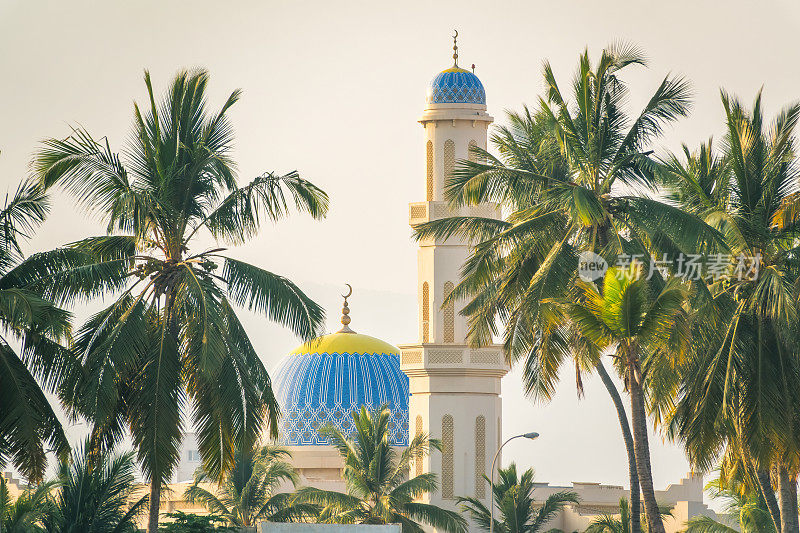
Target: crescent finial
(455,49)
(346,311)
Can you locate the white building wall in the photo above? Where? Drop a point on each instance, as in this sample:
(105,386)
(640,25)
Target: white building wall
(189,459)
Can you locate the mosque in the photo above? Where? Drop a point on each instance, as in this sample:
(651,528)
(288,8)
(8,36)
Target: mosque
(437,385)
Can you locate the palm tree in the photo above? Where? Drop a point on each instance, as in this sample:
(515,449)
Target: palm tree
(180,522)
(171,335)
(247,495)
(377,489)
(610,524)
(745,506)
(27,420)
(93,494)
(572,176)
(23,515)
(750,333)
(647,327)
(518,512)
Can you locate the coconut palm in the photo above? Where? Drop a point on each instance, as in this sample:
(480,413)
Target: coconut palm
(94,491)
(572,175)
(517,510)
(647,326)
(247,495)
(34,323)
(744,506)
(171,336)
(611,524)
(378,491)
(23,515)
(750,333)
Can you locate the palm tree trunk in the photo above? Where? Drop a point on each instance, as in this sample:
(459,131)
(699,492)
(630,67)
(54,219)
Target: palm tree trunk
(636,505)
(642,450)
(787,487)
(155,504)
(768,493)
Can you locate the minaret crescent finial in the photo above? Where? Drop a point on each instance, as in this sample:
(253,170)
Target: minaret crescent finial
(455,49)
(346,311)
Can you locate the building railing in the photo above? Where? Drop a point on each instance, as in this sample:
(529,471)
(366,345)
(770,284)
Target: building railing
(422,355)
(420,212)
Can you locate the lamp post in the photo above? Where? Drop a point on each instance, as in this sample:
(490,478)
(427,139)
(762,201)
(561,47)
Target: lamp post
(532,435)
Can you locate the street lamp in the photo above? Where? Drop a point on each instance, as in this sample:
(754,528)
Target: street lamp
(532,435)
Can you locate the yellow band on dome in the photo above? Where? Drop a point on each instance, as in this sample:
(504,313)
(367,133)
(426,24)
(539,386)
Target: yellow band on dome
(346,343)
(455,69)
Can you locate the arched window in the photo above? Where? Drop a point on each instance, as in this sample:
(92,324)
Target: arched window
(426,312)
(470,154)
(418,459)
(429,171)
(480,457)
(449,159)
(449,315)
(447,457)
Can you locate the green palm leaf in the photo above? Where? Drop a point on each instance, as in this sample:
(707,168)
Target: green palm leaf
(171,340)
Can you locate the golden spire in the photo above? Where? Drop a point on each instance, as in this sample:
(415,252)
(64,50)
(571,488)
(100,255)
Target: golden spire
(346,312)
(455,49)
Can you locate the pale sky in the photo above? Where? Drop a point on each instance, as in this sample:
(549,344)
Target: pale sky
(334,90)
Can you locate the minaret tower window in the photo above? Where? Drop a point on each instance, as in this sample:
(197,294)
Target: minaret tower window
(447,457)
(429,171)
(426,312)
(480,457)
(449,159)
(470,154)
(418,459)
(449,315)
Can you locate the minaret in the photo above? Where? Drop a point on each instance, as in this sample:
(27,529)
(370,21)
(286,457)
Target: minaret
(455,389)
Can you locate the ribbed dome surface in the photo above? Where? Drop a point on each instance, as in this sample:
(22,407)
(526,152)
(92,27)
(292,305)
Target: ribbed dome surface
(324,380)
(456,86)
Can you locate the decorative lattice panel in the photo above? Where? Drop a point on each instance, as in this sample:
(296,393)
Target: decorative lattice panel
(471,155)
(447,457)
(449,315)
(446,357)
(426,312)
(480,457)
(449,158)
(418,459)
(418,211)
(429,171)
(485,358)
(440,210)
(411,357)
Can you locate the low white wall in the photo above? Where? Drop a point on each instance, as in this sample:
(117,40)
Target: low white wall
(272,527)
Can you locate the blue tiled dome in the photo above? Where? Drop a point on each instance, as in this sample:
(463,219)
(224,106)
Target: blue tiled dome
(323,381)
(456,86)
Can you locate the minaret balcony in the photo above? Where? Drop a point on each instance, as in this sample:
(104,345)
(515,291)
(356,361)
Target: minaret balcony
(420,212)
(453,368)
(418,356)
